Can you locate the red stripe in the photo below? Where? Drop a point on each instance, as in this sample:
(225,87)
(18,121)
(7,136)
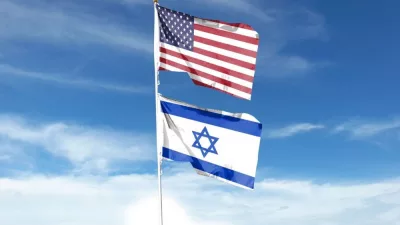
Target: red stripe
(206,75)
(238,25)
(196,82)
(226,34)
(228,47)
(227,59)
(221,69)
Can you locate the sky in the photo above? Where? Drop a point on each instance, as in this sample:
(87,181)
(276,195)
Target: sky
(77,115)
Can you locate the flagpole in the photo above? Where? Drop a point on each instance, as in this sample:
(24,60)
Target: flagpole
(156,83)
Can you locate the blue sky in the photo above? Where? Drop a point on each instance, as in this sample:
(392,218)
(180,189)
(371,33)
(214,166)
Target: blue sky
(77,114)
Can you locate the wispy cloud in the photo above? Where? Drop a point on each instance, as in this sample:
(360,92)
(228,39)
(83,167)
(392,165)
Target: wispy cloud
(48,23)
(87,148)
(279,66)
(7,70)
(362,129)
(243,6)
(128,200)
(292,130)
(382,133)
(135,2)
(5,158)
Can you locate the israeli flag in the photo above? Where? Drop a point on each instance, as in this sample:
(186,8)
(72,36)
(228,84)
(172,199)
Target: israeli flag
(219,144)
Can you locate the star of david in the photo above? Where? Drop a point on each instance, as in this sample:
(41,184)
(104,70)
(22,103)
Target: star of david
(204,133)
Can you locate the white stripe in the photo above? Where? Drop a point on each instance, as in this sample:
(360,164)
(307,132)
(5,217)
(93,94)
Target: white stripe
(242,116)
(236,151)
(225,52)
(210,82)
(209,59)
(170,68)
(231,41)
(207,70)
(225,27)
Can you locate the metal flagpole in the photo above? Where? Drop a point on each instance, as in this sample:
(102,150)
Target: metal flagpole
(156,83)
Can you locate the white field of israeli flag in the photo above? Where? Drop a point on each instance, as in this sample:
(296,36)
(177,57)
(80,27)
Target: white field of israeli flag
(219,144)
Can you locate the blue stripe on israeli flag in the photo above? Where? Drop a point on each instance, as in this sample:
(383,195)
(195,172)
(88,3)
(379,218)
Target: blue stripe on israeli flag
(209,117)
(219,171)
(218,144)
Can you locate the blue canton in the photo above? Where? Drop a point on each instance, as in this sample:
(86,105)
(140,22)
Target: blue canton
(176,28)
(197,144)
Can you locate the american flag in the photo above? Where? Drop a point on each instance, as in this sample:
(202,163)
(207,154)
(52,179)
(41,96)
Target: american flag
(215,54)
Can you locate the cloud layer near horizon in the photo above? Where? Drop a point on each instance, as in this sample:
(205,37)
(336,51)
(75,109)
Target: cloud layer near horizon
(190,199)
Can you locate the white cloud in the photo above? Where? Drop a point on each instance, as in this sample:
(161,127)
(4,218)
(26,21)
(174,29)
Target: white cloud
(132,199)
(80,83)
(90,149)
(361,129)
(292,130)
(51,23)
